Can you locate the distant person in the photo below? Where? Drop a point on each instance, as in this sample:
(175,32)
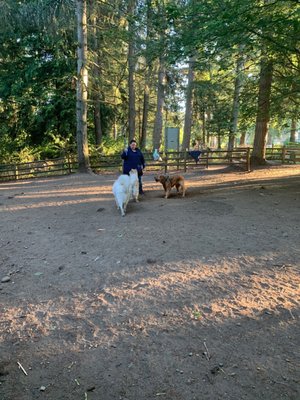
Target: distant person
(133,158)
(195,152)
(156,156)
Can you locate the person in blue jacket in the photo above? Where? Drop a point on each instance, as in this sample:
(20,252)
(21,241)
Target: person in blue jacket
(133,158)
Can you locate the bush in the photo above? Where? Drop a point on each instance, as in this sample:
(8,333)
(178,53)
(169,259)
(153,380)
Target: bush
(108,147)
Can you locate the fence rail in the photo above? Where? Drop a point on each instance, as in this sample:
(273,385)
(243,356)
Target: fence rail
(55,167)
(169,161)
(180,160)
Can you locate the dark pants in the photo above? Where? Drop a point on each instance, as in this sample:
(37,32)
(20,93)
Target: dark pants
(140,184)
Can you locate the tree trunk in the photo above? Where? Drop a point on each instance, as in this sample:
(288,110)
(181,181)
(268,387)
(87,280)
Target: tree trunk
(131,67)
(115,130)
(147,80)
(158,123)
(188,106)
(97,121)
(219,138)
(96,86)
(262,118)
(293,130)
(207,128)
(140,121)
(82,85)
(145,116)
(203,129)
(242,139)
(235,105)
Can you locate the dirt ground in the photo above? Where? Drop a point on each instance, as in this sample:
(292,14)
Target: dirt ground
(182,299)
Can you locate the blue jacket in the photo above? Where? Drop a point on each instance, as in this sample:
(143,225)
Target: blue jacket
(133,160)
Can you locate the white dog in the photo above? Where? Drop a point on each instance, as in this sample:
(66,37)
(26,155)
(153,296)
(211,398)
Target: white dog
(134,181)
(122,191)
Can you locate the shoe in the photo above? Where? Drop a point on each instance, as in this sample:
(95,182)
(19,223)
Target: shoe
(141,192)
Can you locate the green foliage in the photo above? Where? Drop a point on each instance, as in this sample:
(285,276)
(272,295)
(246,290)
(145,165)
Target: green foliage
(215,29)
(38,66)
(108,147)
(18,150)
(15,149)
(6,148)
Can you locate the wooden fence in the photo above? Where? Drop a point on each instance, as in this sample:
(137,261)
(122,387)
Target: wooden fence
(291,154)
(179,160)
(171,160)
(36,169)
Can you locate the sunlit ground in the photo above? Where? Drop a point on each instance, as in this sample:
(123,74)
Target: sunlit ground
(123,286)
(183,292)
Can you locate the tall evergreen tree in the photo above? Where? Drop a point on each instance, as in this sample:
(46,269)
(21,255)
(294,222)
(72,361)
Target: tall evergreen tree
(82,87)
(131,68)
(188,106)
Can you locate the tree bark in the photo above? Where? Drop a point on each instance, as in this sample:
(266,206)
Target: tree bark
(235,105)
(203,128)
(263,111)
(115,130)
(147,80)
(242,139)
(97,121)
(145,115)
(131,67)
(219,138)
(208,113)
(188,106)
(82,86)
(158,124)
(96,86)
(293,130)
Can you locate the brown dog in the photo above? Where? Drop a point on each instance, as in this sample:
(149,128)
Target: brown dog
(169,181)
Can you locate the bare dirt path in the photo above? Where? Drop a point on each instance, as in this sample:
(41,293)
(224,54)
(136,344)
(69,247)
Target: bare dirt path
(194,298)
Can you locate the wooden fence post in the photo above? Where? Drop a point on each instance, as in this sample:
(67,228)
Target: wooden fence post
(166,163)
(283,154)
(69,164)
(248,160)
(207,158)
(185,157)
(16,172)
